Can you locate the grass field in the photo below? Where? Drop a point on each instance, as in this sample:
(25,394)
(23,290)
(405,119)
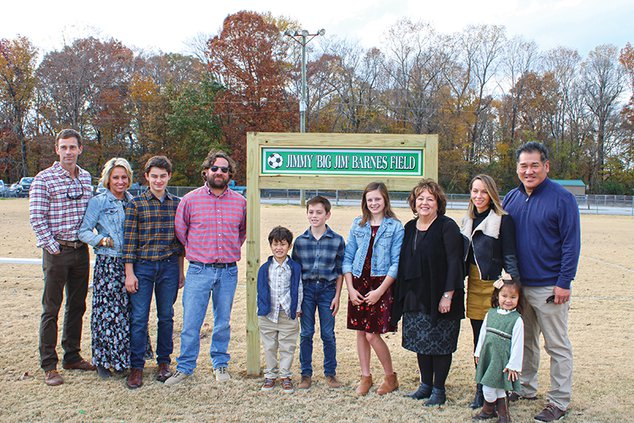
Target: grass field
(601,322)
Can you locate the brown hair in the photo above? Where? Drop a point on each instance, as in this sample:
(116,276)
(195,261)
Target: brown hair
(492,190)
(387,211)
(211,158)
(161,162)
(434,189)
(318,199)
(65,134)
(515,284)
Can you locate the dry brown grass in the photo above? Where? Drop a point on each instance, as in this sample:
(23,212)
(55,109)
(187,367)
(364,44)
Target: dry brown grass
(600,328)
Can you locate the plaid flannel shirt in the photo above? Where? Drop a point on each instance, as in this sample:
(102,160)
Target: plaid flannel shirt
(57,203)
(149,228)
(212,227)
(321,259)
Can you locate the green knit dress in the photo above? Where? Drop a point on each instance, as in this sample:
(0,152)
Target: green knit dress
(496,351)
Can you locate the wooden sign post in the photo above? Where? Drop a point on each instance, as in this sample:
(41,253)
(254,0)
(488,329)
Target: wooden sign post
(327,162)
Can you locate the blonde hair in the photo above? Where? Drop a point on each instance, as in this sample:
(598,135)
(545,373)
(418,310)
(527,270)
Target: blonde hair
(109,167)
(495,204)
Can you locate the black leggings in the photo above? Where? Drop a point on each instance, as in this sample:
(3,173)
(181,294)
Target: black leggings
(476,325)
(434,369)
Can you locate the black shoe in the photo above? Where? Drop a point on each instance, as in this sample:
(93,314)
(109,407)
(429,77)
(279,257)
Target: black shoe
(478,399)
(103,372)
(437,397)
(423,392)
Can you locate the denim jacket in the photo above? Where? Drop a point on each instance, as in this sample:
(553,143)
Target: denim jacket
(107,215)
(385,252)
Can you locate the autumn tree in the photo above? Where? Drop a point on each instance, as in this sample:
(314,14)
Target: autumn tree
(415,61)
(519,59)
(17,83)
(353,79)
(85,86)
(479,49)
(247,58)
(603,83)
(193,129)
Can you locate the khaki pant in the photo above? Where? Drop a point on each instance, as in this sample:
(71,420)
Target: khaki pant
(280,336)
(552,321)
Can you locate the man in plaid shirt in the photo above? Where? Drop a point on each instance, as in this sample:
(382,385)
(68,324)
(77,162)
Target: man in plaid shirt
(153,262)
(57,201)
(211,224)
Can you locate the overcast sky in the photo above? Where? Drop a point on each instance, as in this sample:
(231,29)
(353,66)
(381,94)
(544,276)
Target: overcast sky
(166,26)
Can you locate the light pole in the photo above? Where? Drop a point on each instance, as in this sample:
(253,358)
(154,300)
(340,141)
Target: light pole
(303,37)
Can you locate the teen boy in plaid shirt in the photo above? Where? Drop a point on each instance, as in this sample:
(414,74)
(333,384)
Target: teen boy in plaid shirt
(153,262)
(320,251)
(57,201)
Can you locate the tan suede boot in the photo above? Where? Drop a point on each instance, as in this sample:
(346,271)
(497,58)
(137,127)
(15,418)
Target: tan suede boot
(390,384)
(364,385)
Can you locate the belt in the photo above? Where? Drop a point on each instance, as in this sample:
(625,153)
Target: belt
(72,244)
(215,265)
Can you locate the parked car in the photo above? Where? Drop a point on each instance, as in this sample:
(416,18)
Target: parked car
(3,189)
(14,190)
(24,186)
(135,189)
(21,189)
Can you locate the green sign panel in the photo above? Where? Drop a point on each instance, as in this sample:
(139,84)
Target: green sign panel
(334,161)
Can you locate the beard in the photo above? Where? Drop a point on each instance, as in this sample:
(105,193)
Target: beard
(217,182)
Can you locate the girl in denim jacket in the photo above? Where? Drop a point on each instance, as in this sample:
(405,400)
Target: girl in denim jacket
(370,266)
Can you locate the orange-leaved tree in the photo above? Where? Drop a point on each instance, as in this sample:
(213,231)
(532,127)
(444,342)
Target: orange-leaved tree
(247,58)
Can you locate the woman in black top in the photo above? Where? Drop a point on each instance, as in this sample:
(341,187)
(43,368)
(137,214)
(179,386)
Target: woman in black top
(429,291)
(489,235)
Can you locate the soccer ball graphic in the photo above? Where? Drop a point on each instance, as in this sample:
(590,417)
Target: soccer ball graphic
(275,160)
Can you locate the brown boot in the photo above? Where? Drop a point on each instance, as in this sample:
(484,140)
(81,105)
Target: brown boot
(390,384)
(364,385)
(487,412)
(305,383)
(135,379)
(503,410)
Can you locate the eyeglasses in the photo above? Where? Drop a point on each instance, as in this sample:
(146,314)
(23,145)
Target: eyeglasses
(223,169)
(75,190)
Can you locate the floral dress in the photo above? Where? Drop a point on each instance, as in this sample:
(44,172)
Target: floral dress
(370,318)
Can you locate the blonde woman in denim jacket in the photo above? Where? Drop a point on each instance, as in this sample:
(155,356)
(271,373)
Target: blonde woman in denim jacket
(370,267)
(102,228)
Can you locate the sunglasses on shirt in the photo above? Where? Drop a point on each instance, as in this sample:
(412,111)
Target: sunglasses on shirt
(75,190)
(223,169)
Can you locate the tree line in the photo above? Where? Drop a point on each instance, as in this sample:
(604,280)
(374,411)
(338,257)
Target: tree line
(483,92)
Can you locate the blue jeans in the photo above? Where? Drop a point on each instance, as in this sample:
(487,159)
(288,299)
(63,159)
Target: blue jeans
(161,277)
(317,297)
(203,281)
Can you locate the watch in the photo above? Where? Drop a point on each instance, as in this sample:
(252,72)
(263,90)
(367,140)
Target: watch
(446,296)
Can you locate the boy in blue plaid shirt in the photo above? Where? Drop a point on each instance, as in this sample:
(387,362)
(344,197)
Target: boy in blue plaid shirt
(319,251)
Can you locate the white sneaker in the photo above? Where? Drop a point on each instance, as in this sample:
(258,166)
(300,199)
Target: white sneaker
(222,374)
(177,377)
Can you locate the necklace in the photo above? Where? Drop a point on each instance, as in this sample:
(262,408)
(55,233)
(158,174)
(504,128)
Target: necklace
(422,226)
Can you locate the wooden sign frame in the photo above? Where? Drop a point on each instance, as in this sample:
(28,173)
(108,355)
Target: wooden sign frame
(256,181)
